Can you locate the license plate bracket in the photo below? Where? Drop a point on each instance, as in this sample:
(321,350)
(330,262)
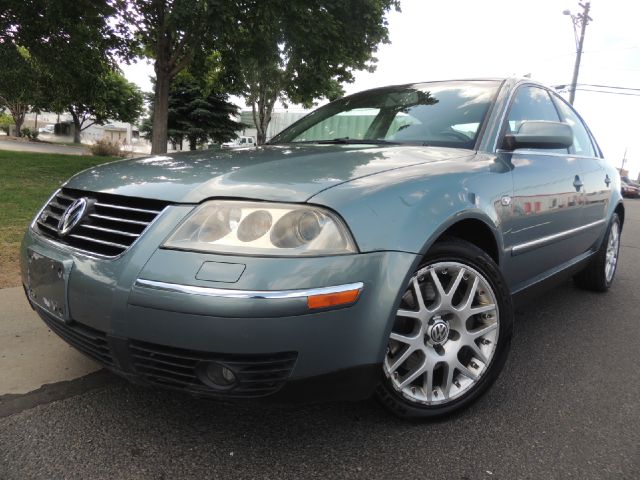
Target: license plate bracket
(47,284)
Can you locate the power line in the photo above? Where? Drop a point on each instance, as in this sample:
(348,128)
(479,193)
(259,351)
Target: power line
(611,93)
(608,86)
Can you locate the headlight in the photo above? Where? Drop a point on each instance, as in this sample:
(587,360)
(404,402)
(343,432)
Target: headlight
(262,229)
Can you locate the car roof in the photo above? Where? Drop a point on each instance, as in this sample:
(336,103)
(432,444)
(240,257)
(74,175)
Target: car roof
(511,81)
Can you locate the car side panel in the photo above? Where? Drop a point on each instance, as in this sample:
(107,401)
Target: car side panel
(544,230)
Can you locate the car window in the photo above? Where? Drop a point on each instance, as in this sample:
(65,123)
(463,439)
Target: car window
(581,139)
(446,114)
(529,104)
(352,123)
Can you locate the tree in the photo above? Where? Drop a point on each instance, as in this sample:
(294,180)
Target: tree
(73,45)
(172,33)
(112,97)
(297,50)
(197,112)
(6,121)
(19,82)
(302,52)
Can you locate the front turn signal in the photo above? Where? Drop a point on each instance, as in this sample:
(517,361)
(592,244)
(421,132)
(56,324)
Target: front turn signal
(333,299)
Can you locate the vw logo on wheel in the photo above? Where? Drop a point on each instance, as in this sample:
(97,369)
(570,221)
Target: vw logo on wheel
(72,216)
(439,332)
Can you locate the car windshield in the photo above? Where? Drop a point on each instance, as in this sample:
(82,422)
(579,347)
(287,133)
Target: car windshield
(447,114)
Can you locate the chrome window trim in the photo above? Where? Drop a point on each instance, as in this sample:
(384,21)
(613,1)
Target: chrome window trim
(542,241)
(250,294)
(527,151)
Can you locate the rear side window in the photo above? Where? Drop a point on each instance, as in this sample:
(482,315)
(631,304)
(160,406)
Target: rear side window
(581,139)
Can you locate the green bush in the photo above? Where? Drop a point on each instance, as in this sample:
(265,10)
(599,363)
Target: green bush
(30,134)
(26,132)
(105,148)
(6,121)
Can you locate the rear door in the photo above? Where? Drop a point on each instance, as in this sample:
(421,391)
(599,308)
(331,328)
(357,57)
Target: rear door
(546,207)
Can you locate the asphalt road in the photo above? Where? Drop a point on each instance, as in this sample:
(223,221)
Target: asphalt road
(566,406)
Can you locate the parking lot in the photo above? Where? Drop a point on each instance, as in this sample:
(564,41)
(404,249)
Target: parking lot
(566,406)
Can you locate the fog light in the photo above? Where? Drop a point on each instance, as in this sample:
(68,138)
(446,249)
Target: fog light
(217,375)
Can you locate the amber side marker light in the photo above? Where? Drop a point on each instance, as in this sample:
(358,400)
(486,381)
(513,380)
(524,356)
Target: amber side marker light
(333,299)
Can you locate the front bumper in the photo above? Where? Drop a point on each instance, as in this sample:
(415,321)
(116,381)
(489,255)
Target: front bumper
(164,336)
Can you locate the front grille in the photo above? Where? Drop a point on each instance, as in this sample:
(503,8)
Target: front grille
(258,375)
(89,341)
(112,222)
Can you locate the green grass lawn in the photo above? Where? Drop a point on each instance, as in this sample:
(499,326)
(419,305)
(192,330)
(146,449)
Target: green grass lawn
(26,181)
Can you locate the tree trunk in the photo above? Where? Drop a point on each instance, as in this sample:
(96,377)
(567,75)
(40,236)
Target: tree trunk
(18,112)
(262,110)
(160,109)
(18,120)
(193,144)
(77,126)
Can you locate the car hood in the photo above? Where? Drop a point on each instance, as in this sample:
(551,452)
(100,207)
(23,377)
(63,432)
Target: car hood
(277,173)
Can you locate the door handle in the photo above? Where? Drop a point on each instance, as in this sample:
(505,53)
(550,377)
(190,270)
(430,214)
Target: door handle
(607,180)
(578,183)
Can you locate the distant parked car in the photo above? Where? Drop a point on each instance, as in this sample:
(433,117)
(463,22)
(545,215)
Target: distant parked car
(47,129)
(240,142)
(629,191)
(628,181)
(376,245)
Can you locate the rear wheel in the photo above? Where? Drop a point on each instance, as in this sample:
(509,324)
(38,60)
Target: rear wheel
(599,274)
(451,333)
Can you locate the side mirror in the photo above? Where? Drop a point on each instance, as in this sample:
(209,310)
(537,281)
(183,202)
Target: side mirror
(539,134)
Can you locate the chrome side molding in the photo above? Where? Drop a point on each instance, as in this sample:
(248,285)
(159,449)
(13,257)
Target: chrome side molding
(542,241)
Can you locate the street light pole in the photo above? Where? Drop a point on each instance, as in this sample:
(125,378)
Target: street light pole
(581,19)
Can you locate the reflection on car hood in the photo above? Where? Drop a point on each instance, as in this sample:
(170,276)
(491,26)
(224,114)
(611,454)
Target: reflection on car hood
(278,173)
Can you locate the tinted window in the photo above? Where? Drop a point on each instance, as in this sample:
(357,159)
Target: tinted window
(439,113)
(581,140)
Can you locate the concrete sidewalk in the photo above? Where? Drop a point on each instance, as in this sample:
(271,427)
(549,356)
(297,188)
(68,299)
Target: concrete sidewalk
(30,354)
(20,146)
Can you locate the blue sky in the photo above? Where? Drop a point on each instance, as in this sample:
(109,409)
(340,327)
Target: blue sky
(432,40)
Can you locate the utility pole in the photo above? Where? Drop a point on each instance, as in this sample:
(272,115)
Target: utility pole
(580,20)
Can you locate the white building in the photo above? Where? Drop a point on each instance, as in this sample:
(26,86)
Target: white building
(120,132)
(280,119)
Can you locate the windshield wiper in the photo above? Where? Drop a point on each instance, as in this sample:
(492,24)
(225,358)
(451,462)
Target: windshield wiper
(354,141)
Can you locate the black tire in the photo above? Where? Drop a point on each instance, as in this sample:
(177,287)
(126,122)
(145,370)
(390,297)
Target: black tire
(457,250)
(594,276)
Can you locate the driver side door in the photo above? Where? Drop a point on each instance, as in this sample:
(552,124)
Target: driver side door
(547,198)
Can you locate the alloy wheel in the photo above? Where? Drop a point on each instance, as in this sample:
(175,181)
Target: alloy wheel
(613,248)
(445,334)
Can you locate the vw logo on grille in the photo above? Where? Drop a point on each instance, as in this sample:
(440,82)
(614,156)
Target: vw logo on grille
(72,216)
(439,332)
